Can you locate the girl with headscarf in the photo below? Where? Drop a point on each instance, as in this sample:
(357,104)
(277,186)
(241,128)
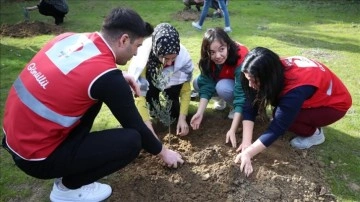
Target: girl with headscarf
(163,54)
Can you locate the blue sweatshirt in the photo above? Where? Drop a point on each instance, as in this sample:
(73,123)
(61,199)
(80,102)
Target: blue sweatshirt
(284,115)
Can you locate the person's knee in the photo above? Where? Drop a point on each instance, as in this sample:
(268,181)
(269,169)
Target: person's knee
(127,147)
(225,86)
(126,139)
(134,140)
(224,89)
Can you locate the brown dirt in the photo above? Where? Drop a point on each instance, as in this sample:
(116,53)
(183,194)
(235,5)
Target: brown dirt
(28,29)
(187,15)
(209,173)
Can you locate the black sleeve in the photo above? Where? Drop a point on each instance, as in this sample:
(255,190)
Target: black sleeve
(112,89)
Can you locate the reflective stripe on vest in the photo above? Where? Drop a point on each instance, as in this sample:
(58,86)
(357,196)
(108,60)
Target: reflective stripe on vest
(39,108)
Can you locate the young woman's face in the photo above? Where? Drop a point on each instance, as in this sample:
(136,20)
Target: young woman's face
(253,82)
(218,52)
(167,60)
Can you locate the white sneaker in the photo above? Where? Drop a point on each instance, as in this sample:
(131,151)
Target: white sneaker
(227,29)
(194,94)
(306,142)
(231,114)
(219,104)
(196,25)
(93,192)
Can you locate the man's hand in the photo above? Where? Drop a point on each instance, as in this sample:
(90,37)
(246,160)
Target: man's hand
(132,83)
(171,158)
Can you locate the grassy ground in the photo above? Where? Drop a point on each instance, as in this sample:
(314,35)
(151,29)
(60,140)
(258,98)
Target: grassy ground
(325,30)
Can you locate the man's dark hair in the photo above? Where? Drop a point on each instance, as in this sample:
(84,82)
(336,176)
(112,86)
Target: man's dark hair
(125,20)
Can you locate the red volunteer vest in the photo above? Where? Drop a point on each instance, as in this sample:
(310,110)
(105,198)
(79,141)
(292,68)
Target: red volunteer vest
(52,93)
(227,71)
(331,92)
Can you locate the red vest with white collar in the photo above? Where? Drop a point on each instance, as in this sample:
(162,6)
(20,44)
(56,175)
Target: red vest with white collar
(330,92)
(53,92)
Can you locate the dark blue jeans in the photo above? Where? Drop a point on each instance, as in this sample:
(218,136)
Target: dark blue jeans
(208,4)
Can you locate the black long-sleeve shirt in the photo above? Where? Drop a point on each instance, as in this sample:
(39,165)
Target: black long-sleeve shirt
(112,89)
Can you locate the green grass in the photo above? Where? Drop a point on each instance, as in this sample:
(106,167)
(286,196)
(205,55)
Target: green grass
(326,30)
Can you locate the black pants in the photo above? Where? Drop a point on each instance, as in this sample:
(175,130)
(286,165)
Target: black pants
(173,94)
(85,157)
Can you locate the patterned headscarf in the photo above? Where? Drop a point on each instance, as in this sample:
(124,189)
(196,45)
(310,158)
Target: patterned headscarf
(165,41)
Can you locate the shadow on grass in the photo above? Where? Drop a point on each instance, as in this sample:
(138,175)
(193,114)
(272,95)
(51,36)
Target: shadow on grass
(341,162)
(315,40)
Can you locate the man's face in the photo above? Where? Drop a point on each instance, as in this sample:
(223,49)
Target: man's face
(127,49)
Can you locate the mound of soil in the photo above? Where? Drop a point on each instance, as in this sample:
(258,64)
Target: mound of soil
(281,173)
(187,15)
(28,29)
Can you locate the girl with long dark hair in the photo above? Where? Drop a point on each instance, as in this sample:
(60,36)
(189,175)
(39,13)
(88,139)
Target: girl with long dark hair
(220,62)
(304,94)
